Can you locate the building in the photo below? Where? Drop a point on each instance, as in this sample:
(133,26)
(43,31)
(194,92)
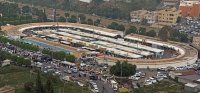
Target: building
(151,17)
(7,89)
(170,2)
(192,87)
(167,17)
(87,1)
(196,40)
(190,8)
(138,16)
(174,74)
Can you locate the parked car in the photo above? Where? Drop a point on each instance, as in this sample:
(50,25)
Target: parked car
(162,69)
(134,85)
(103,64)
(68,71)
(139,84)
(142,74)
(160,75)
(159,79)
(74,69)
(148,82)
(152,79)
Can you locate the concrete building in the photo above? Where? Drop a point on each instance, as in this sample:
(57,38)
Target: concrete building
(137,16)
(170,2)
(151,17)
(167,17)
(196,40)
(87,1)
(190,8)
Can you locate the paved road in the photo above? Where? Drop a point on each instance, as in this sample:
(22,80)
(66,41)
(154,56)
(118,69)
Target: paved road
(99,83)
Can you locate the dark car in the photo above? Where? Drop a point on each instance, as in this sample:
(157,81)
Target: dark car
(93,77)
(139,84)
(103,64)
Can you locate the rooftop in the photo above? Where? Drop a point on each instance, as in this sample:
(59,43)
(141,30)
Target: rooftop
(190,77)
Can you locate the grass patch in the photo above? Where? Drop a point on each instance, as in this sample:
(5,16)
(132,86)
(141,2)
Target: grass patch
(17,76)
(166,86)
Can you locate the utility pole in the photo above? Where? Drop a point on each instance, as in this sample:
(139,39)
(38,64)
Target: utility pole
(93,24)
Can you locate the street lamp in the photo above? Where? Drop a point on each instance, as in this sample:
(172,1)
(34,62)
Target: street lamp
(93,23)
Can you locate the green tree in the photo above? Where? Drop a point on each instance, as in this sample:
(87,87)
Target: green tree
(151,33)
(70,58)
(28,17)
(183,37)
(131,29)
(14,58)
(127,68)
(66,15)
(39,87)
(44,16)
(20,59)
(3,56)
(25,9)
(120,28)
(1,24)
(23,22)
(178,19)
(11,19)
(49,86)
(72,20)
(82,16)
(5,19)
(142,31)
(27,62)
(90,21)
(163,33)
(62,19)
(17,22)
(73,16)
(29,86)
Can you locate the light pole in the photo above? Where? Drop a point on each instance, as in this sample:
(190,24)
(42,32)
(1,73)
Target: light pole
(93,23)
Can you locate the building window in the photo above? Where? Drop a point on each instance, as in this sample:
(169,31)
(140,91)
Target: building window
(171,15)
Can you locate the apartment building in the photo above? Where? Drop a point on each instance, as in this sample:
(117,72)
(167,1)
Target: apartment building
(151,17)
(190,8)
(167,17)
(170,2)
(196,40)
(138,16)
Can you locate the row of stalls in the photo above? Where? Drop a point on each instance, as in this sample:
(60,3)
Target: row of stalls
(101,41)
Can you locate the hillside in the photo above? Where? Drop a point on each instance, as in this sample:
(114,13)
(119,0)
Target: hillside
(117,9)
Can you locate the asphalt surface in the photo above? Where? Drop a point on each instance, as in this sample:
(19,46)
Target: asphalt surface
(99,83)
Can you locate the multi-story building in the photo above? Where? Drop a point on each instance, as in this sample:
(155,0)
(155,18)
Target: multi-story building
(167,17)
(137,16)
(151,17)
(170,2)
(196,40)
(190,8)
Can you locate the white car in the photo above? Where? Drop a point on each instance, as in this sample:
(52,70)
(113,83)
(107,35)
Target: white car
(159,79)
(80,84)
(159,75)
(134,77)
(148,82)
(152,80)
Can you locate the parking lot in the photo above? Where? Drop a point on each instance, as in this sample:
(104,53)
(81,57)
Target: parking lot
(91,71)
(188,25)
